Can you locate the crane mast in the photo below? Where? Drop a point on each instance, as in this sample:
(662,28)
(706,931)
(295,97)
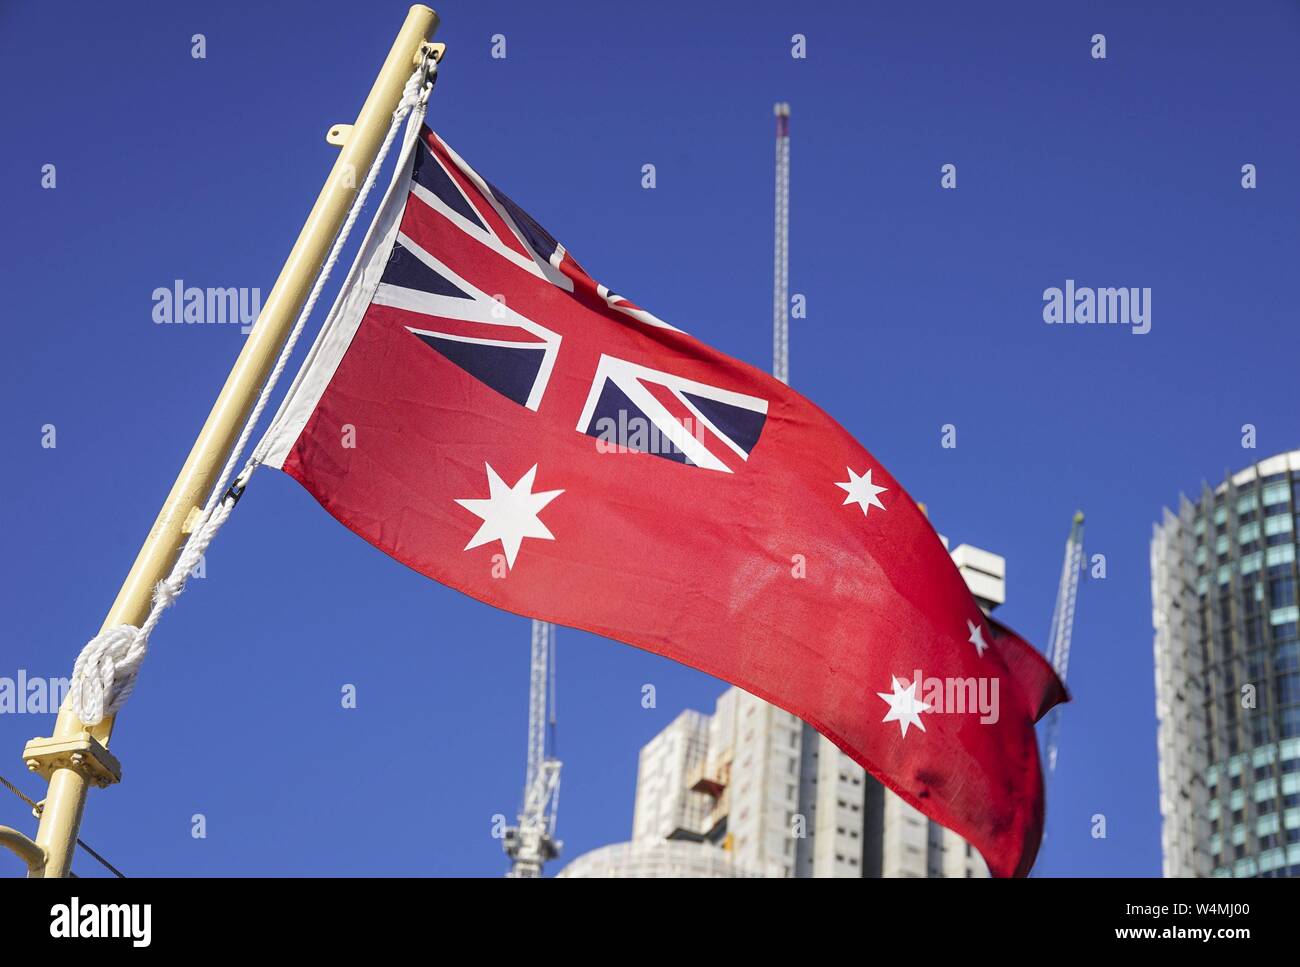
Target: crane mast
(1058,642)
(532,842)
(781,261)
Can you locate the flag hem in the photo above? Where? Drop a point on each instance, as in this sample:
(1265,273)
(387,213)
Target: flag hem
(345,315)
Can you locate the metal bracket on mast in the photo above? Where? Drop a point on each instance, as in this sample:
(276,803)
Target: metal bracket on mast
(82,753)
(339,134)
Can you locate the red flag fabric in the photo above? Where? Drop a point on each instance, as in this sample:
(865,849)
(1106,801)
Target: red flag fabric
(479,408)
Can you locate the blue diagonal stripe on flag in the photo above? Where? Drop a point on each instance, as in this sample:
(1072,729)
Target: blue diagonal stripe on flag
(409,272)
(430,174)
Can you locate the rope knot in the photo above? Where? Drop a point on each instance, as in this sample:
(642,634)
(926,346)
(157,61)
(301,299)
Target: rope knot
(418,86)
(105,672)
(166,591)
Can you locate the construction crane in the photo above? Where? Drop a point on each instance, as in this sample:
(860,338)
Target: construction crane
(781,262)
(532,843)
(1058,639)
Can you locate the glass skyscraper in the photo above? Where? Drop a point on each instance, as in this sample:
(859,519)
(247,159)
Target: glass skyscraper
(1227,656)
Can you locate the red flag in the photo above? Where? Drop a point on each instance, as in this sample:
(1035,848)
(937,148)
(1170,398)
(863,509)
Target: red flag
(481,409)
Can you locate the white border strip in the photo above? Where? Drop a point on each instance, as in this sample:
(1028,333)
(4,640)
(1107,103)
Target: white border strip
(345,315)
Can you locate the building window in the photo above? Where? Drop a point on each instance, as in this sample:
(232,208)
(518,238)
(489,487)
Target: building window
(1281,616)
(1275,493)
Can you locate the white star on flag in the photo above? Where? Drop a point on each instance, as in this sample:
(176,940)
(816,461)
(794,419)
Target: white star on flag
(976,636)
(904,708)
(861,491)
(510,513)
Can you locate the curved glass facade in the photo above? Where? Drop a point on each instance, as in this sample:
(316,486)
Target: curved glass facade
(1227,653)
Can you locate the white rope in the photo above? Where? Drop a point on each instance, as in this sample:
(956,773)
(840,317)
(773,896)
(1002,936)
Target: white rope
(106,670)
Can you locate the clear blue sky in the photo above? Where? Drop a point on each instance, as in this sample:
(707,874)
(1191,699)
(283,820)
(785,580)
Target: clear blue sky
(924,308)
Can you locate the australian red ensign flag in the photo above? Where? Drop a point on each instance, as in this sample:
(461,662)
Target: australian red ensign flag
(480,408)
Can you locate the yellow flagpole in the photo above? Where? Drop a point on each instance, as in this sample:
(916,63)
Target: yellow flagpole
(76,756)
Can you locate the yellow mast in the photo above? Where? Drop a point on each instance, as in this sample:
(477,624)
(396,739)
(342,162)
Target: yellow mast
(77,756)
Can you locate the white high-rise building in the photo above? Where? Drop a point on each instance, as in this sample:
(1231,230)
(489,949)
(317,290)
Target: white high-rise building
(667,763)
(752,790)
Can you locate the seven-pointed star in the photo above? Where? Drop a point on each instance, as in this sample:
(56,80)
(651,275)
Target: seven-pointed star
(976,636)
(903,706)
(510,513)
(861,491)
